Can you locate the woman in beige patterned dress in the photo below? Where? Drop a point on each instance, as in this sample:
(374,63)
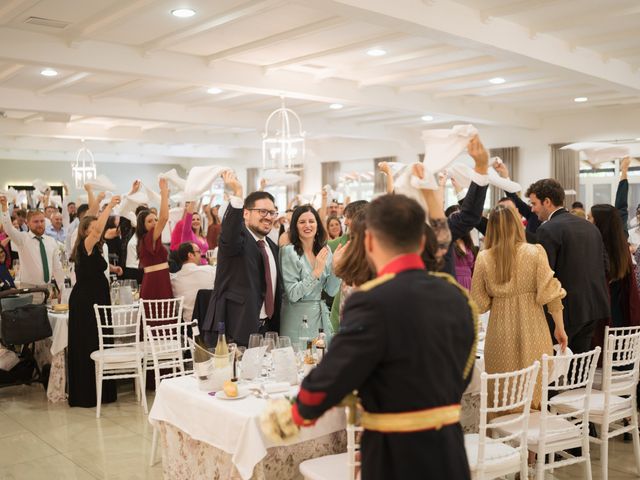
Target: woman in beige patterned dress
(513,279)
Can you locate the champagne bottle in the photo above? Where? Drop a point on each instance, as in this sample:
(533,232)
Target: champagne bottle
(304,335)
(200,354)
(321,344)
(309,361)
(222,349)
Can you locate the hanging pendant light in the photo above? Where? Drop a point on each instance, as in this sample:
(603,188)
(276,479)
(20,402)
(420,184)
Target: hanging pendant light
(283,140)
(84,167)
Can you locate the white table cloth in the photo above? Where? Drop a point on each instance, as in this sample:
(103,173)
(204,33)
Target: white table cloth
(56,390)
(228,425)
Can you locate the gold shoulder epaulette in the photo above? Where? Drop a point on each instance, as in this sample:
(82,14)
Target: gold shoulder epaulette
(474,315)
(371,284)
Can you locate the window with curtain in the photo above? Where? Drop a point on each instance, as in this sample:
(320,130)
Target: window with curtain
(330,174)
(565,168)
(509,156)
(252,179)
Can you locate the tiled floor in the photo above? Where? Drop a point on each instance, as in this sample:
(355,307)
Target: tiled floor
(40,440)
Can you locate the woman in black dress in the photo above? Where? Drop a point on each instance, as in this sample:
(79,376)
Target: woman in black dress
(91,288)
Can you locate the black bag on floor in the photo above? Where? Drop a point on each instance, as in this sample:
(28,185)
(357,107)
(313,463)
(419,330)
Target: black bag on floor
(23,372)
(25,324)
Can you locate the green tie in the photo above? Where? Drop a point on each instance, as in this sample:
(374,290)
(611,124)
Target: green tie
(45,264)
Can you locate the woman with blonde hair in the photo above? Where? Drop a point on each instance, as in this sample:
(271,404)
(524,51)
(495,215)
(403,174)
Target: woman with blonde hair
(513,279)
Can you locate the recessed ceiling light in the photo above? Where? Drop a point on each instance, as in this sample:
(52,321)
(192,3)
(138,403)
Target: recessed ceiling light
(183,12)
(497,80)
(336,106)
(214,90)
(580,99)
(376,52)
(427,118)
(49,72)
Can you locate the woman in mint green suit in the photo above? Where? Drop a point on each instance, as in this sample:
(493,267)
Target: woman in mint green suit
(307,269)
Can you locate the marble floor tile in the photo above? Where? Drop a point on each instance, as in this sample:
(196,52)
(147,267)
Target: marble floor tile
(9,427)
(54,468)
(23,447)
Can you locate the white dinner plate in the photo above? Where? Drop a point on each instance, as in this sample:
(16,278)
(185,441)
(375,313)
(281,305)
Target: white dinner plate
(242,393)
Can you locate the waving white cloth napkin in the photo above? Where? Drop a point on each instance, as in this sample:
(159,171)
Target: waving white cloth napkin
(200,179)
(102,184)
(175,215)
(11,194)
(598,152)
(40,185)
(173,177)
(129,203)
(55,200)
(464,175)
(443,146)
(406,184)
(280,177)
(152,195)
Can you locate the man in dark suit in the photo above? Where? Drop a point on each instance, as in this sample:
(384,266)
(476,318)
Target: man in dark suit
(578,258)
(247,290)
(407,345)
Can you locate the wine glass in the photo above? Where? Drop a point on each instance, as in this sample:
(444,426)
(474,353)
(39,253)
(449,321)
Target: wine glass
(284,342)
(255,340)
(272,335)
(269,343)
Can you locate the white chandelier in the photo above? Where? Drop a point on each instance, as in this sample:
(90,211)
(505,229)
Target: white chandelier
(282,142)
(84,167)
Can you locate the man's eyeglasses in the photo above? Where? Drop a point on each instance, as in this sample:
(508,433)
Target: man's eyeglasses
(264,212)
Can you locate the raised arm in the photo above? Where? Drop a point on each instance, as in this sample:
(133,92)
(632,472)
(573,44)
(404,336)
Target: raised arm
(230,242)
(14,234)
(66,220)
(386,170)
(163,215)
(323,207)
(93,200)
(622,193)
(435,210)
(95,233)
(187,232)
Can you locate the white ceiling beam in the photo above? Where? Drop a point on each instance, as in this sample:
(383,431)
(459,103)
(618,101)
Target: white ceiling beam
(451,22)
(388,118)
(489,89)
(288,35)
(10,71)
(64,82)
(213,99)
(36,117)
(423,71)
(10,6)
(239,12)
(605,38)
(164,97)
(113,91)
(362,44)
(119,60)
(568,91)
(622,53)
(104,18)
(515,8)
(591,17)
(431,51)
(434,85)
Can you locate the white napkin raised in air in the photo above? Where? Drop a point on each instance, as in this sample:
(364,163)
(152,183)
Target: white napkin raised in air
(598,152)
(101,184)
(280,178)
(173,177)
(443,146)
(200,180)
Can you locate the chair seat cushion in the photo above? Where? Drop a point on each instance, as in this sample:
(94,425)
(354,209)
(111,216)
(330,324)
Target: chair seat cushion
(557,428)
(329,467)
(117,355)
(572,400)
(495,452)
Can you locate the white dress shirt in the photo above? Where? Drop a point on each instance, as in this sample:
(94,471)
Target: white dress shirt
(132,253)
(28,248)
(186,283)
(237,202)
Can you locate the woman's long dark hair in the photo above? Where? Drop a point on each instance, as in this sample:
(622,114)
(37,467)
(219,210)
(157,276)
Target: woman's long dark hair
(466,239)
(355,269)
(83,229)
(320,239)
(140,228)
(608,221)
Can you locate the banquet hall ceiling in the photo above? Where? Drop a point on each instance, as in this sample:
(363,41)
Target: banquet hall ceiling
(134,78)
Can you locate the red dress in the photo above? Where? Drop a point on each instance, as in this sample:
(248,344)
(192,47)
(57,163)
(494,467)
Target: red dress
(155,285)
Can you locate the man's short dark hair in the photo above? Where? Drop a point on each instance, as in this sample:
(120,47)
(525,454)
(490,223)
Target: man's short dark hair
(577,205)
(547,188)
(397,222)
(82,209)
(140,208)
(353,207)
(184,250)
(71,203)
(253,197)
(21,213)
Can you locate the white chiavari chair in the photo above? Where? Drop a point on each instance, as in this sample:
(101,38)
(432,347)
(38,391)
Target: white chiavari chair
(158,312)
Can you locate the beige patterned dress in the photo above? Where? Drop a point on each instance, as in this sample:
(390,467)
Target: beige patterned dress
(518,333)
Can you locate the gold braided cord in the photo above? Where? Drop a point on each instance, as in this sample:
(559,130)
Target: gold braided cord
(376,282)
(474,315)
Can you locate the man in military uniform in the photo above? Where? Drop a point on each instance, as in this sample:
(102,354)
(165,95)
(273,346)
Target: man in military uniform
(407,345)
